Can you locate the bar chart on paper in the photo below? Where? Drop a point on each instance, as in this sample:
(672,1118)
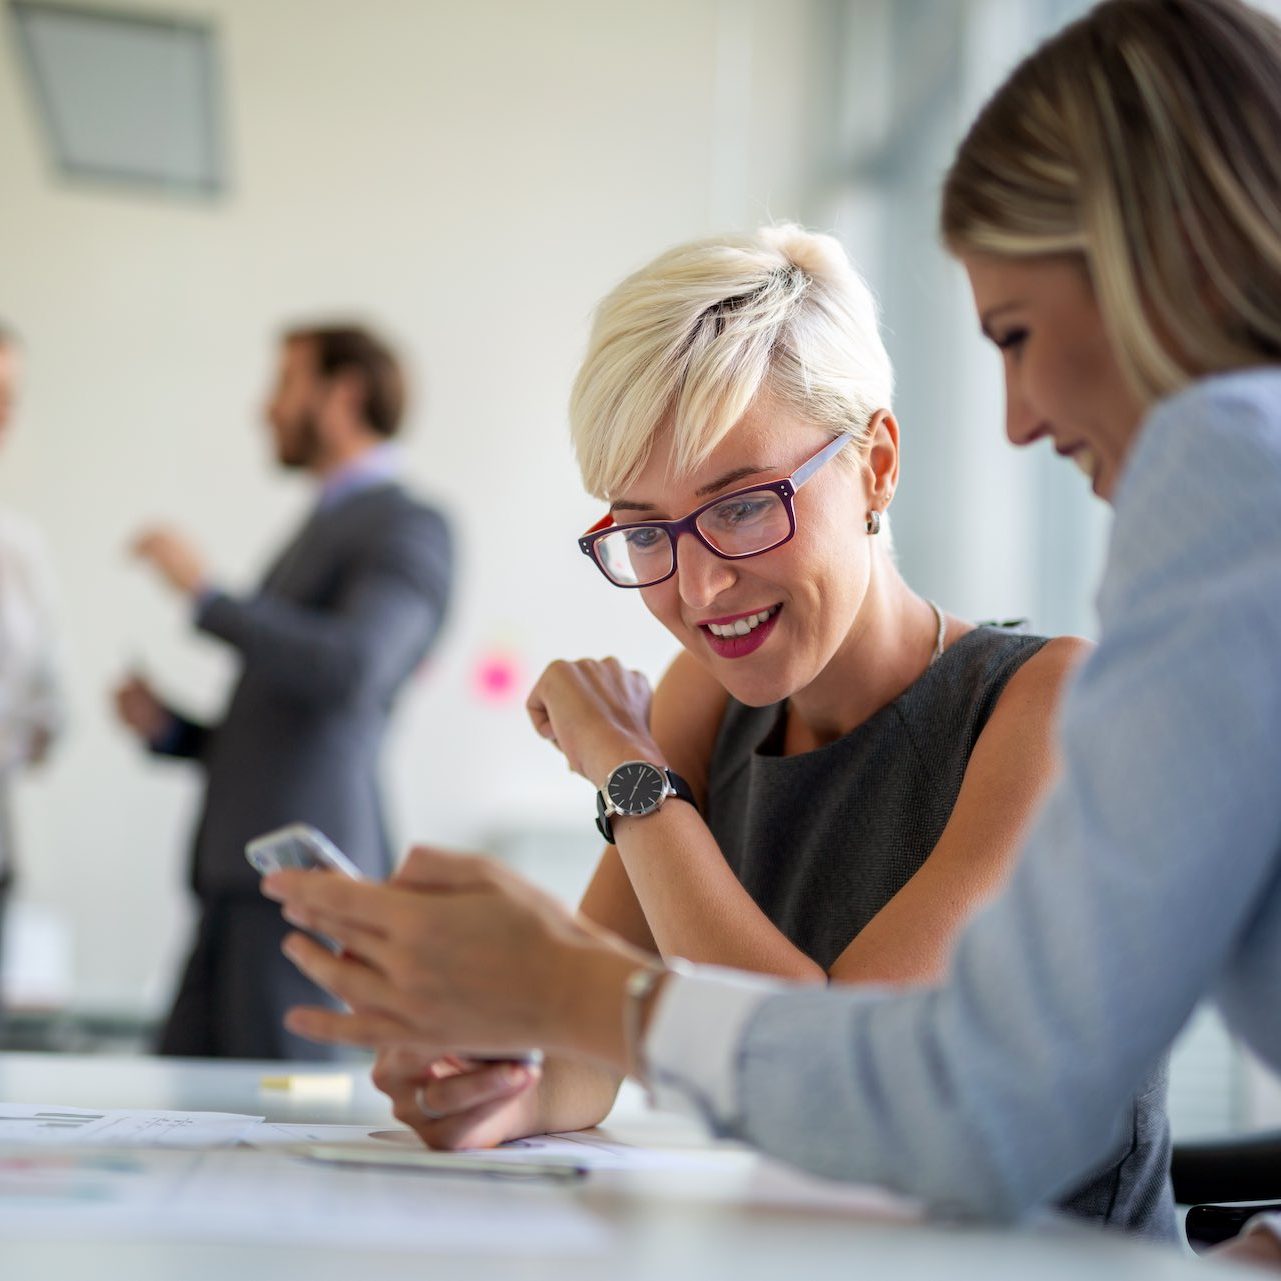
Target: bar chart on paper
(39,1124)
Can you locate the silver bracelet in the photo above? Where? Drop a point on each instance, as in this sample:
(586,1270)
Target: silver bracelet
(637,990)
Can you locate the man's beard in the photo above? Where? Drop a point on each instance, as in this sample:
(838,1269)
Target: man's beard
(299,448)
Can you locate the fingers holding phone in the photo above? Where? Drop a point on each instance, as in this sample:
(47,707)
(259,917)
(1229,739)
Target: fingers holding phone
(428,947)
(298,846)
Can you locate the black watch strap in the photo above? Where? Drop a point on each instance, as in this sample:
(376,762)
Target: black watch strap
(681,790)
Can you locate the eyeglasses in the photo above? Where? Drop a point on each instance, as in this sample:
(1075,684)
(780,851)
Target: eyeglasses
(734,526)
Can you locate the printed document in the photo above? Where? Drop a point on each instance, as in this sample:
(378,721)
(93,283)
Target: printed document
(50,1125)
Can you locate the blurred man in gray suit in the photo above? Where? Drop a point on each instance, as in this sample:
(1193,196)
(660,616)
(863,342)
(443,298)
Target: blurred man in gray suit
(326,643)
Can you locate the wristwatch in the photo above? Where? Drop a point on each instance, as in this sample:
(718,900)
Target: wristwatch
(634,789)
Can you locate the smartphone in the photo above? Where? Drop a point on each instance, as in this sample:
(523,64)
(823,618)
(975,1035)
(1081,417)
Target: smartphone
(298,847)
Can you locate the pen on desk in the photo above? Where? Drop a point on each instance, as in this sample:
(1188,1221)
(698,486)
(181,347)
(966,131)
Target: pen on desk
(429,1162)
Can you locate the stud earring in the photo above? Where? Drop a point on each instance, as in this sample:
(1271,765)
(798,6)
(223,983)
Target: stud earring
(873,522)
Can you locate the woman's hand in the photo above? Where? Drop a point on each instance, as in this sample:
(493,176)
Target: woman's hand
(458,1103)
(456,955)
(597,713)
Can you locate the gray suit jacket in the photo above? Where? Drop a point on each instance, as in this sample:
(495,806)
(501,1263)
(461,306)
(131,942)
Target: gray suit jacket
(338,625)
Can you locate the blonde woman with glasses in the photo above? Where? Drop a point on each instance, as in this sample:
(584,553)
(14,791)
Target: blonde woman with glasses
(1117,206)
(834,772)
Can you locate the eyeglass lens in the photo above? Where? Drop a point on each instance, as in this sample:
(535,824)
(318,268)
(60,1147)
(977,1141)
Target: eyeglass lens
(741,525)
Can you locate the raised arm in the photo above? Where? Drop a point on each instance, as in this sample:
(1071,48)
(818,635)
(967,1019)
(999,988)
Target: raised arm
(388,609)
(696,908)
(599,715)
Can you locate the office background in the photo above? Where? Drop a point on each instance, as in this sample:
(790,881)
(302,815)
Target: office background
(471,178)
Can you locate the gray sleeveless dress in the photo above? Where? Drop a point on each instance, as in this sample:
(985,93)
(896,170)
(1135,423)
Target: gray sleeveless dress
(822,841)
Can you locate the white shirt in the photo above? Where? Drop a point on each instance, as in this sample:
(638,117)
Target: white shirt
(31,705)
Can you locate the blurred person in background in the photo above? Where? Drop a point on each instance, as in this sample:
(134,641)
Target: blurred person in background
(326,643)
(1117,207)
(31,702)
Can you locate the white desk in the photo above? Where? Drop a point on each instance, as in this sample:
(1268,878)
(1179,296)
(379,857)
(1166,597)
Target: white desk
(750,1220)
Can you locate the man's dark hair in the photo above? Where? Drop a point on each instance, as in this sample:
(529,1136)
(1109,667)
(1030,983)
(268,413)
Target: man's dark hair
(340,348)
(8,335)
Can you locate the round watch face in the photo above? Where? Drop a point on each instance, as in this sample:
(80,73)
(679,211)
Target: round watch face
(636,788)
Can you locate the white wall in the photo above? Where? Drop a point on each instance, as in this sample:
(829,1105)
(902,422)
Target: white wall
(471,177)
(990,531)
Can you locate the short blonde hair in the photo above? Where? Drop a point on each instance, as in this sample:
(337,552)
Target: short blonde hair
(691,340)
(1145,139)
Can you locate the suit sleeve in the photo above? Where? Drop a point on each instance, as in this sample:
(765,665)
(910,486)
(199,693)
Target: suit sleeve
(183,739)
(388,610)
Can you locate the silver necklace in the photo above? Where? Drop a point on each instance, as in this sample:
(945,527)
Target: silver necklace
(942,632)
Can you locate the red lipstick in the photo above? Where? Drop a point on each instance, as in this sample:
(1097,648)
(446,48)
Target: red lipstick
(740,646)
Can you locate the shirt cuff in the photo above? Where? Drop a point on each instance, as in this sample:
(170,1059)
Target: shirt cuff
(691,1050)
(202,598)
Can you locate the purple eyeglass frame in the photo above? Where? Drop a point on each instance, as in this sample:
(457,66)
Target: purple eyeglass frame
(785,489)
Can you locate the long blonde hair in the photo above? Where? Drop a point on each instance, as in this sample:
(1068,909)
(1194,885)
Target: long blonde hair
(688,342)
(1145,139)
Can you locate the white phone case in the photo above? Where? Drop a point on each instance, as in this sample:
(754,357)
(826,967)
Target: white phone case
(298,846)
